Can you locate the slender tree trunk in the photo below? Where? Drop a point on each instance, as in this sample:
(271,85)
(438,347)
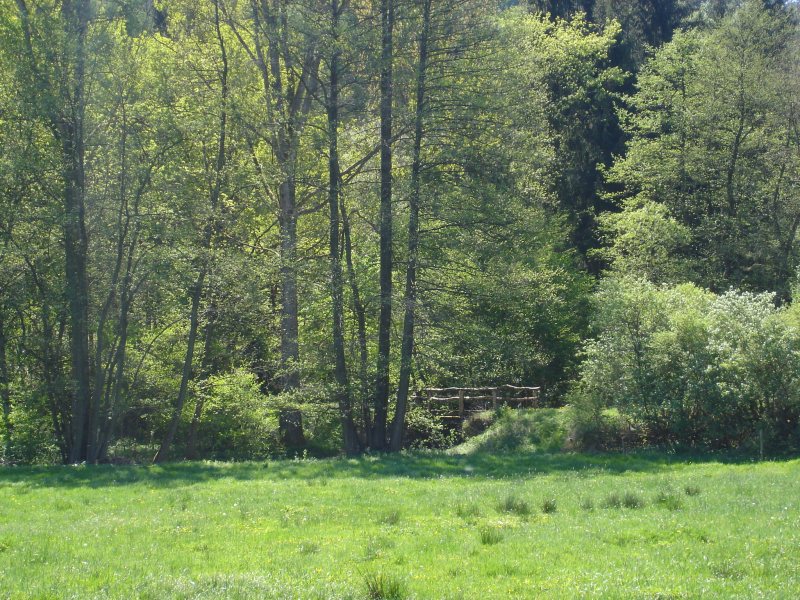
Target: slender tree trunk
(57,396)
(361,325)
(186,375)
(75,15)
(5,392)
(349,436)
(288,100)
(385,316)
(102,375)
(205,368)
(211,230)
(283,145)
(730,171)
(290,349)
(118,373)
(114,395)
(410,295)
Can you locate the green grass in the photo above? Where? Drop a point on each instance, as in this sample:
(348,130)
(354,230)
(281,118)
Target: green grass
(424,526)
(531,430)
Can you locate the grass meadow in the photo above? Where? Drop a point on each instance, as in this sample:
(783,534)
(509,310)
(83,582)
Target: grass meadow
(412,526)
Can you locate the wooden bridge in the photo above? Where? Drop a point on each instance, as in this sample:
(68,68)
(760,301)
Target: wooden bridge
(457,403)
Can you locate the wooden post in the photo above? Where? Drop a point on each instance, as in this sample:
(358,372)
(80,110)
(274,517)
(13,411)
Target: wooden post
(461,404)
(494,399)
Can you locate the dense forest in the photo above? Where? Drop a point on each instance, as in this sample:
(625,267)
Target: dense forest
(236,229)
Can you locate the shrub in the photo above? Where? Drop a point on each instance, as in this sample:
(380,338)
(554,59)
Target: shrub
(683,366)
(32,441)
(425,430)
(235,422)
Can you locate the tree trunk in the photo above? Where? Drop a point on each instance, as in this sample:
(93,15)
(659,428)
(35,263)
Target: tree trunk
(211,230)
(349,438)
(361,325)
(186,376)
(118,371)
(288,101)
(5,392)
(410,295)
(205,368)
(290,426)
(69,123)
(290,350)
(385,316)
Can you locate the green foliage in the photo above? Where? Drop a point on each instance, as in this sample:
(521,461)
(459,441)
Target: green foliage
(427,430)
(645,242)
(692,368)
(200,161)
(32,441)
(531,430)
(235,421)
(712,143)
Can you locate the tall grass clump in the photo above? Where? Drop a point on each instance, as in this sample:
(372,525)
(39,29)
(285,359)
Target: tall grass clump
(490,536)
(668,499)
(549,506)
(692,490)
(513,504)
(632,500)
(381,586)
(468,510)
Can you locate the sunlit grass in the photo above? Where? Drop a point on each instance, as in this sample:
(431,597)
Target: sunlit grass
(425,526)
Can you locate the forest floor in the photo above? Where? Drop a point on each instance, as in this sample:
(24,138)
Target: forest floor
(412,526)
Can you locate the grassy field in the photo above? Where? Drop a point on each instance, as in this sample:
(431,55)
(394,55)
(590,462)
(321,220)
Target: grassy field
(425,526)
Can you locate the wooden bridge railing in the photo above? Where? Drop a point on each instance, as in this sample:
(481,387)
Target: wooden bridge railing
(469,400)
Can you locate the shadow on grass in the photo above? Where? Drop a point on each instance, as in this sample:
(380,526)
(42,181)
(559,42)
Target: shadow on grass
(417,466)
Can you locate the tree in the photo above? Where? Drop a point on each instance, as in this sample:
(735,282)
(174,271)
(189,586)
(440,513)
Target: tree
(287,59)
(712,139)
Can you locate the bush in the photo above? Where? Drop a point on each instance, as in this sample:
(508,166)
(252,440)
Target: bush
(686,367)
(32,441)
(425,430)
(235,422)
